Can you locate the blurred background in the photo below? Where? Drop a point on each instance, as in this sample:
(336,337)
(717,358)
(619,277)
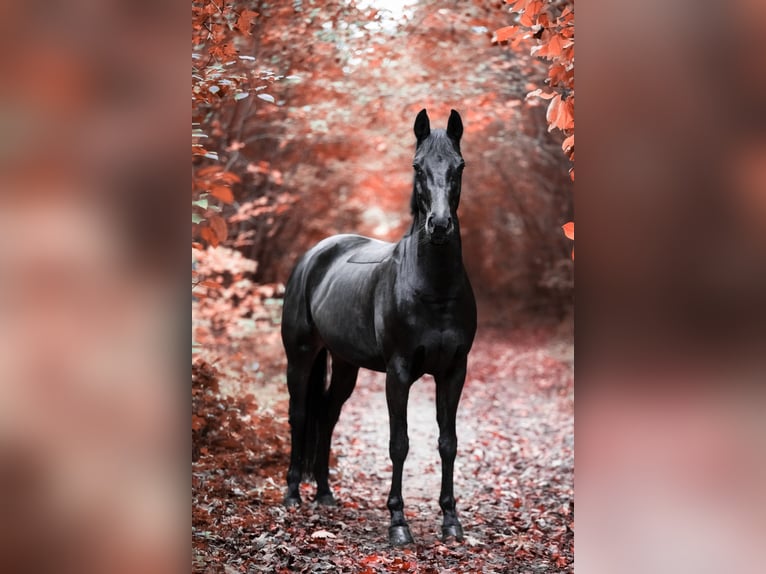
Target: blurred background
(94,286)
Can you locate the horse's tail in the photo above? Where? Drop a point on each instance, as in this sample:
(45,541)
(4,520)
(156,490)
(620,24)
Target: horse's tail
(316,405)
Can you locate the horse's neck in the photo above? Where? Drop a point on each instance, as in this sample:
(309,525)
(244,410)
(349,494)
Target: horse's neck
(433,270)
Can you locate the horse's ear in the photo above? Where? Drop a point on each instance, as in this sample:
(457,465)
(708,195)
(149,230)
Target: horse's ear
(422,126)
(455,126)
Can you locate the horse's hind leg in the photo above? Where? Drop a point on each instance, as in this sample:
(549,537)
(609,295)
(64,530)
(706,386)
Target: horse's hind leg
(342,385)
(299,367)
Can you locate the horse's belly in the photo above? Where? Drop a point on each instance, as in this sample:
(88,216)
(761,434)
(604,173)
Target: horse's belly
(354,348)
(346,327)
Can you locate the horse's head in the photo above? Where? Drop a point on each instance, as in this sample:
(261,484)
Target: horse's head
(438,172)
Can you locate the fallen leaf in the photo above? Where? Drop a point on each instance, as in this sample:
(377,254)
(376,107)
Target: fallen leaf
(471,541)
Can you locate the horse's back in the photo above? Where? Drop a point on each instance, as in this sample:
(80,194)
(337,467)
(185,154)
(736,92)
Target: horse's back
(333,253)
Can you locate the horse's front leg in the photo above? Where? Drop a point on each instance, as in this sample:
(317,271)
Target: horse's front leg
(448,389)
(397,393)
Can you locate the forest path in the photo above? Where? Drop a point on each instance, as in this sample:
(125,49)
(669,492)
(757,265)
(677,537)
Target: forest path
(515,457)
(513,474)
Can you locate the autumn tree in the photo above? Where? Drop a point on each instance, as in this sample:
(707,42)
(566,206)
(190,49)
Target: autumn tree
(221,77)
(547,27)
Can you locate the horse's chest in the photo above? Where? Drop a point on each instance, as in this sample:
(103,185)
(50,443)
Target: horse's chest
(437,350)
(440,333)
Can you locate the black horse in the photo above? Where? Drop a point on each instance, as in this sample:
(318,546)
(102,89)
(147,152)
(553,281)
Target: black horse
(403,308)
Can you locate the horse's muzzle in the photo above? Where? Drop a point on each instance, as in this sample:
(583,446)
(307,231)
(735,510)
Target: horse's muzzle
(439,229)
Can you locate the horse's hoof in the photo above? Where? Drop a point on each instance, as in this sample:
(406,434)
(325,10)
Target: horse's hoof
(326,499)
(290,501)
(399,535)
(452,531)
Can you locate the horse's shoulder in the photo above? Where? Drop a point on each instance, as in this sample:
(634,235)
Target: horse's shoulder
(370,251)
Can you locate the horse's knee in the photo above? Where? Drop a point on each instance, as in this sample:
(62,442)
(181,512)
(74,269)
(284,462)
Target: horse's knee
(398,448)
(447,446)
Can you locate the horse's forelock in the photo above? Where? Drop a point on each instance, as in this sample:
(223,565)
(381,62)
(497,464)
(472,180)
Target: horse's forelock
(438,142)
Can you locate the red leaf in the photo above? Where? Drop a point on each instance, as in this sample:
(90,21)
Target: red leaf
(222,192)
(541,94)
(534,7)
(504,34)
(209,235)
(560,113)
(569,229)
(197,422)
(218,225)
(518,5)
(230,177)
(553,110)
(526,19)
(568,143)
(245,20)
(549,50)
(208,171)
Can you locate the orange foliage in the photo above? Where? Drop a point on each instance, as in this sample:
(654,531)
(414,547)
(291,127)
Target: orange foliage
(245,20)
(551,24)
(569,232)
(215,81)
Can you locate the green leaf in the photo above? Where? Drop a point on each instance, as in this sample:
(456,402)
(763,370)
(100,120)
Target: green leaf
(201,203)
(197,218)
(267,98)
(214,89)
(241,96)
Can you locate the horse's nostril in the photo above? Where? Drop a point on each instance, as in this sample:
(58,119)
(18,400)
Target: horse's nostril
(443,225)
